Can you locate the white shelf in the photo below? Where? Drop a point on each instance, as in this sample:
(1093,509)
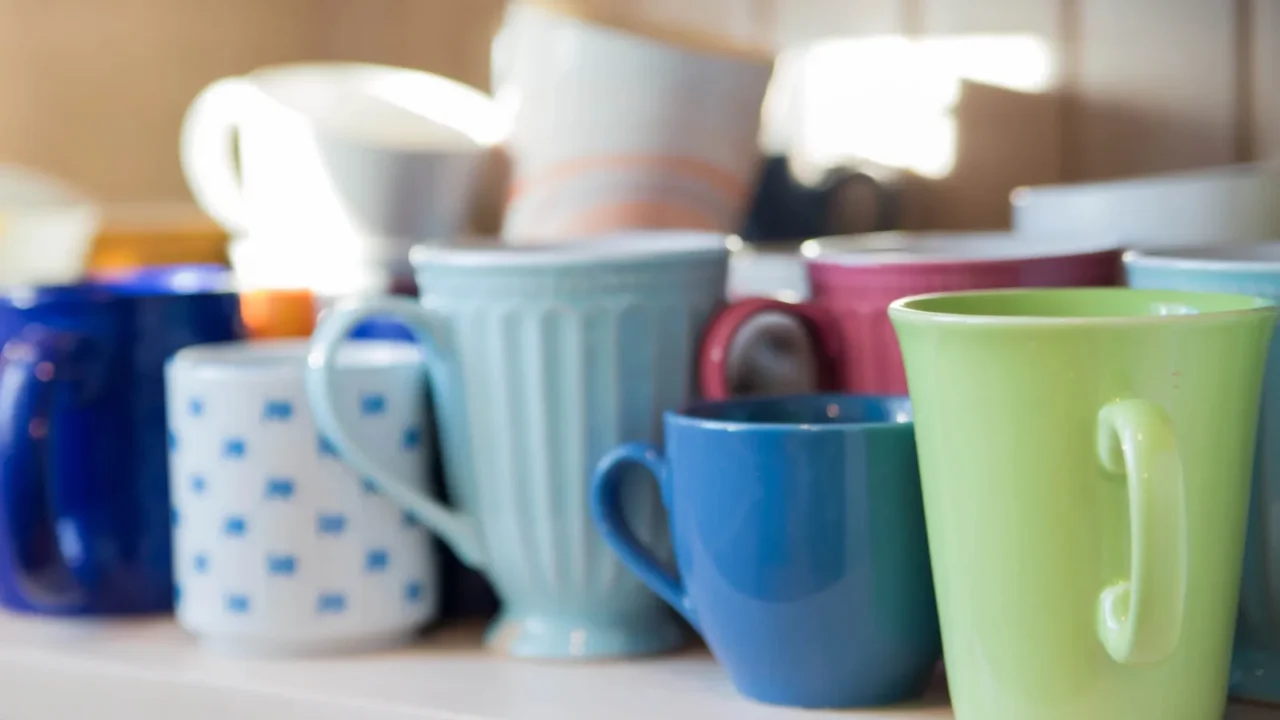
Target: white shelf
(151,670)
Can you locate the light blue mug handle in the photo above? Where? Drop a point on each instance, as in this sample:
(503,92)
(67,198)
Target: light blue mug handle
(455,528)
(609,518)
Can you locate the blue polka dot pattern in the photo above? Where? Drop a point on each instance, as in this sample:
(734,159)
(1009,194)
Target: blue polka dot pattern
(272,530)
(373,404)
(279,488)
(233,448)
(277,411)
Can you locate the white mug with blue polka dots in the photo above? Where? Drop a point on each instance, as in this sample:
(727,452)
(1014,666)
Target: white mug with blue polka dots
(279,547)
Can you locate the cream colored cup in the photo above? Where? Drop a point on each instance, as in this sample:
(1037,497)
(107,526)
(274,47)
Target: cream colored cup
(616,130)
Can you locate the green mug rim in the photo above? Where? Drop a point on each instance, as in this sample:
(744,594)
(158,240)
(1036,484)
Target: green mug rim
(1207,307)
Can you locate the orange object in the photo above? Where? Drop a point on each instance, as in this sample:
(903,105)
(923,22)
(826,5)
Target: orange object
(141,235)
(278,313)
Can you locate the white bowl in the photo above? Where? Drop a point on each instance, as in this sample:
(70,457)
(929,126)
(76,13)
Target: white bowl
(1226,204)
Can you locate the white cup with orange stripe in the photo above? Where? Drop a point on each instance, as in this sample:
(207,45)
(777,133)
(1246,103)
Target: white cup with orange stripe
(618,126)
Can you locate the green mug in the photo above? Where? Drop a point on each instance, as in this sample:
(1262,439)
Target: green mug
(1085,456)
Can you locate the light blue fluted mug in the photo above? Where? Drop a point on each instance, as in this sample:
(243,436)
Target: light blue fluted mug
(1248,269)
(539,360)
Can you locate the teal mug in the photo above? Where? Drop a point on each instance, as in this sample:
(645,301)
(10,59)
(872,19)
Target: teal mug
(1248,269)
(539,360)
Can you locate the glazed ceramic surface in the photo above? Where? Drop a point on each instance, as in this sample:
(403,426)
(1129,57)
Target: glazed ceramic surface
(615,130)
(1253,269)
(84,499)
(540,360)
(1085,456)
(280,547)
(800,544)
(841,337)
(330,160)
(1228,204)
(48,229)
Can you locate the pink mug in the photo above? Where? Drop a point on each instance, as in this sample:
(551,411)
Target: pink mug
(844,324)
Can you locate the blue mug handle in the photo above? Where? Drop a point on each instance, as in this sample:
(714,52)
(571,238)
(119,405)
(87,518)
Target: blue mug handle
(34,390)
(458,530)
(609,518)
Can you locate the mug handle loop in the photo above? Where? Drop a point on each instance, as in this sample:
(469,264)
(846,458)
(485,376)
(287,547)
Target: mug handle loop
(206,150)
(1140,618)
(713,357)
(455,528)
(610,519)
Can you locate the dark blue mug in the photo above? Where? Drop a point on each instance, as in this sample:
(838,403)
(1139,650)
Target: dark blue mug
(800,542)
(84,497)
(181,278)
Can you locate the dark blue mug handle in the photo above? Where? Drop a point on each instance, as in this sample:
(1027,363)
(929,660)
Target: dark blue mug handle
(610,519)
(34,391)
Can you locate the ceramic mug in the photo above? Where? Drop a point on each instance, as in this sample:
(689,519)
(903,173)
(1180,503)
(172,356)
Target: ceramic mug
(539,360)
(1252,269)
(47,228)
(84,494)
(356,156)
(800,543)
(279,547)
(840,338)
(1085,456)
(616,130)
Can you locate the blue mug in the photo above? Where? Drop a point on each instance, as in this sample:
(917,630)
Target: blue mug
(800,544)
(538,361)
(183,278)
(1247,269)
(84,503)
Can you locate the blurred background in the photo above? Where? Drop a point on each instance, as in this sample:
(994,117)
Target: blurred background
(952,103)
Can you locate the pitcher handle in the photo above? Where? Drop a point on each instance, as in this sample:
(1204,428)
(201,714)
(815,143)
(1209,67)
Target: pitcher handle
(206,149)
(610,519)
(1140,618)
(455,528)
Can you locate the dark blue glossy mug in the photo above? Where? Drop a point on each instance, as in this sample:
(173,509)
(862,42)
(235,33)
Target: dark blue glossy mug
(800,541)
(84,497)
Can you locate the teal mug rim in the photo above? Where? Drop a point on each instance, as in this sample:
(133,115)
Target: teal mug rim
(1253,258)
(618,248)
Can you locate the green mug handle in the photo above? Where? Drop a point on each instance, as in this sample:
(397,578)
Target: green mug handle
(1139,618)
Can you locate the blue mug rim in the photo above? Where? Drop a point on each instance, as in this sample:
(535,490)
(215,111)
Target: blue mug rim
(692,416)
(94,291)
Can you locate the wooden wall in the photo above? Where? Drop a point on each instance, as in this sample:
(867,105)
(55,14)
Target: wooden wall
(1140,86)
(94,90)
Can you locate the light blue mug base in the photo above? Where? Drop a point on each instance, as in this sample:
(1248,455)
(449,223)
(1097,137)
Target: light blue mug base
(531,635)
(1255,675)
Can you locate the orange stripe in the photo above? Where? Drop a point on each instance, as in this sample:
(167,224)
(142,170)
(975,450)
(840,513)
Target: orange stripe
(720,180)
